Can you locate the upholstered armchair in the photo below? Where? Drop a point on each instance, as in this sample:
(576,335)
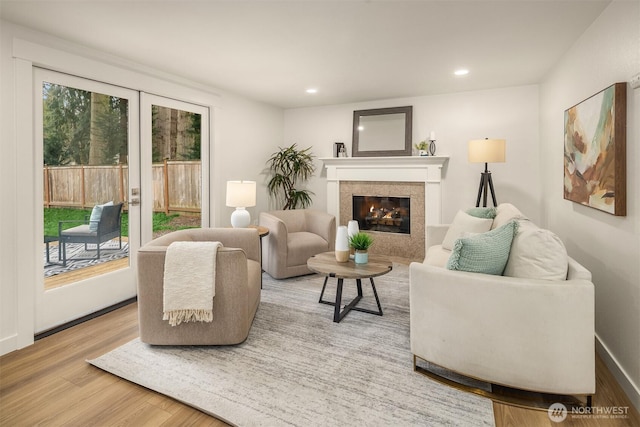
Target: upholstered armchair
(295,236)
(237,289)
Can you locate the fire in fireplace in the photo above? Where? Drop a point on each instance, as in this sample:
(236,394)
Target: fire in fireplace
(387,214)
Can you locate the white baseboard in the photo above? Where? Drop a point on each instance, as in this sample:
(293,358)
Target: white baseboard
(626,383)
(8,344)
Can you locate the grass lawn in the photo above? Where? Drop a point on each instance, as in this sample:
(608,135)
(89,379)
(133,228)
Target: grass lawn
(52,216)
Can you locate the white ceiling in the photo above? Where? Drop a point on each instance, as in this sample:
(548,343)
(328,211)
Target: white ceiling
(351,51)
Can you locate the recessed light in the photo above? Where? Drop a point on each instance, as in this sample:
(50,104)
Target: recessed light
(312,90)
(461,72)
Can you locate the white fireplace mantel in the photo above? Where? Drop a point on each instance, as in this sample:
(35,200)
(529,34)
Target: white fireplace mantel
(426,169)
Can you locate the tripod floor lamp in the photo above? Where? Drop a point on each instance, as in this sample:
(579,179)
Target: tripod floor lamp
(486,151)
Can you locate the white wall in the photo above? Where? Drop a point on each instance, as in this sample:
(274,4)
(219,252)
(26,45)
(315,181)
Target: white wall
(608,52)
(510,113)
(244,132)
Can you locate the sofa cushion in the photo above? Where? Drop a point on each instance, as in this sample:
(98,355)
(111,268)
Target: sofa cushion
(482,212)
(506,212)
(437,256)
(484,253)
(464,222)
(537,253)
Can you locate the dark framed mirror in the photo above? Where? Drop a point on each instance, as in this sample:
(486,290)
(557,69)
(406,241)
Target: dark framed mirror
(382,132)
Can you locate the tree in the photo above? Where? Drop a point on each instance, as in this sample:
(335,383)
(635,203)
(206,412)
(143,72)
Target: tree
(65,124)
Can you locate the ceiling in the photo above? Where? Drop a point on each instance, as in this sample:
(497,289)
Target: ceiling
(351,51)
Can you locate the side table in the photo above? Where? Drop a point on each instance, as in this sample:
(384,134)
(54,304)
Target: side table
(262,232)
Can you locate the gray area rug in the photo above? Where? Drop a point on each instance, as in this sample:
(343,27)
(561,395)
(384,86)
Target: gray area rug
(109,251)
(300,368)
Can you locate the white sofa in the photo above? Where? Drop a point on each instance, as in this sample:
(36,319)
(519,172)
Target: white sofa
(528,333)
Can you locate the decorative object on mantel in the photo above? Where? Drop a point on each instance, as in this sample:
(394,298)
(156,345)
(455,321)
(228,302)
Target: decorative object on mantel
(487,151)
(382,132)
(432,143)
(595,151)
(361,242)
(339,149)
(241,195)
(423,148)
(287,166)
(342,244)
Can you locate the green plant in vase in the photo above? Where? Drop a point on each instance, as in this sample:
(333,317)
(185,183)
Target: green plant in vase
(361,242)
(423,148)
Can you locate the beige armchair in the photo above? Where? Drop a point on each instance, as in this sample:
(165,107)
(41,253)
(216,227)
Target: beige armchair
(295,236)
(237,293)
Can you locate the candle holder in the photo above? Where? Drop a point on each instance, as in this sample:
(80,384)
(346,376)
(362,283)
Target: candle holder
(432,147)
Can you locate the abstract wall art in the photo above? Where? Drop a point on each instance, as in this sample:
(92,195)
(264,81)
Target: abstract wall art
(595,151)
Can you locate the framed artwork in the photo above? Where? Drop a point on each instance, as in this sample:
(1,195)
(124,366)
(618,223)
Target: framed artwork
(595,163)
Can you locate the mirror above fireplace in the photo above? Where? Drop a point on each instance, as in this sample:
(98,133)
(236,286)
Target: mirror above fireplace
(382,132)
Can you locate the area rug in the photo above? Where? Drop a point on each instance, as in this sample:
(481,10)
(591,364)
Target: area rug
(299,368)
(109,251)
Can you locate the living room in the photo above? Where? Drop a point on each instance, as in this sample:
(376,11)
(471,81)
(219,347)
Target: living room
(529,116)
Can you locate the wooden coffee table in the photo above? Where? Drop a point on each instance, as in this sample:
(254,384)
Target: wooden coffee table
(326,264)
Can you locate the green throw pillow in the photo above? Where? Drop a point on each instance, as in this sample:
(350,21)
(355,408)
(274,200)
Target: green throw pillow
(482,212)
(486,253)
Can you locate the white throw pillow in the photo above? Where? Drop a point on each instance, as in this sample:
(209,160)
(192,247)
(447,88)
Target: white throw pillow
(505,213)
(464,222)
(537,253)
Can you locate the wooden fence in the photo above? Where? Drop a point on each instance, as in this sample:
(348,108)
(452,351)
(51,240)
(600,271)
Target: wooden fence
(176,185)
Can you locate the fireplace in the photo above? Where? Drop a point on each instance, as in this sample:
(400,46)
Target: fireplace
(417,178)
(385,214)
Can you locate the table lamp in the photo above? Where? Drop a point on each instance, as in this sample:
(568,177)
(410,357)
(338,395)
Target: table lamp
(487,151)
(241,195)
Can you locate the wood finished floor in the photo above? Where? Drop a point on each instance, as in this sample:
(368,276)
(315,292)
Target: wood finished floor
(50,383)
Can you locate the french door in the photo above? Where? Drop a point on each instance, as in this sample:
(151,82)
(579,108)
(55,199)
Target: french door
(88,152)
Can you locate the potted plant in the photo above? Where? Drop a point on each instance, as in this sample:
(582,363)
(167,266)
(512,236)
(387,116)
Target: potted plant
(422,147)
(361,243)
(287,166)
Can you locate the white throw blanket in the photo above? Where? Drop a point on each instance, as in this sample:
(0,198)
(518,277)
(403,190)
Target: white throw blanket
(189,282)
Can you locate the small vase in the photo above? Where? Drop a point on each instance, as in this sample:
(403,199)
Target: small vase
(423,152)
(352,228)
(361,257)
(342,244)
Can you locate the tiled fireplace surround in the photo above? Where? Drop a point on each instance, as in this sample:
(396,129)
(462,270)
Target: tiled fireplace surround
(416,177)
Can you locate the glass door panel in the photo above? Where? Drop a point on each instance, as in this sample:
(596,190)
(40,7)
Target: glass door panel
(175,173)
(88,152)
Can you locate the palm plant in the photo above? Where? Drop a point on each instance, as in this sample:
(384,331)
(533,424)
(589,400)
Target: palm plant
(287,166)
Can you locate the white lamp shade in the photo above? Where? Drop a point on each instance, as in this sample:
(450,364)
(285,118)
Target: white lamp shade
(487,150)
(241,194)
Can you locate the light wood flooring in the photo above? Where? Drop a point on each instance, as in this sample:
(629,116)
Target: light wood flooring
(50,383)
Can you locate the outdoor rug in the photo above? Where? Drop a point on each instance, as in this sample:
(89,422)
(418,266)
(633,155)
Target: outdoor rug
(108,252)
(299,368)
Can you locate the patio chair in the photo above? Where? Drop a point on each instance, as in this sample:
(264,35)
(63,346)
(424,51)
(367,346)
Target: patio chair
(107,228)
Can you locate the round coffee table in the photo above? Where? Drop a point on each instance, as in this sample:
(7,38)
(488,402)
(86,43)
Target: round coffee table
(326,265)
